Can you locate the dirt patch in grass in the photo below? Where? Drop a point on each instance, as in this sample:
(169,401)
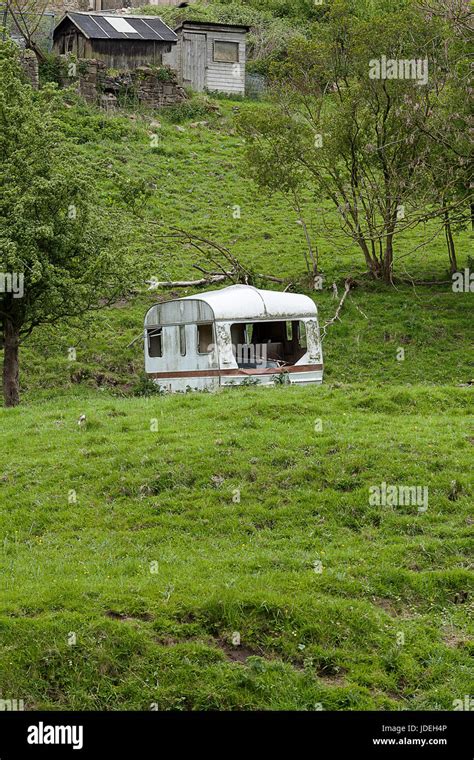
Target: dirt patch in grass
(387,605)
(238,653)
(169,641)
(264,525)
(233,653)
(454,638)
(143,616)
(338,679)
(390,608)
(390,694)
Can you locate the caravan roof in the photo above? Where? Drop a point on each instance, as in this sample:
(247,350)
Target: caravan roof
(247,302)
(236,303)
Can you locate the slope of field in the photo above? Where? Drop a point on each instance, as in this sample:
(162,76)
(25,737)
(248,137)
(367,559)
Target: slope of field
(190,166)
(132,558)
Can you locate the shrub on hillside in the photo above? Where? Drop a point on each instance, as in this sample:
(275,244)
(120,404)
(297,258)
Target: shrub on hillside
(197,107)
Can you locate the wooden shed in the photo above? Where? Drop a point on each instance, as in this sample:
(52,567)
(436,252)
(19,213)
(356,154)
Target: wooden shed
(210,56)
(121,42)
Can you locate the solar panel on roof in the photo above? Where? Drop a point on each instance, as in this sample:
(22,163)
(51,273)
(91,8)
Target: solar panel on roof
(144,30)
(98,26)
(161,29)
(88,25)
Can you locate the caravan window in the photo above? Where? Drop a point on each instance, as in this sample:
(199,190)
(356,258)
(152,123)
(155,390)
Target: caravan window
(155,342)
(274,343)
(205,338)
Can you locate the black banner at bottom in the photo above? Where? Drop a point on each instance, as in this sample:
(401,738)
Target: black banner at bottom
(120,734)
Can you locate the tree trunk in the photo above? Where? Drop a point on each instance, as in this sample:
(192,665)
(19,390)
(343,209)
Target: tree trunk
(453,264)
(11,384)
(387,262)
(370,260)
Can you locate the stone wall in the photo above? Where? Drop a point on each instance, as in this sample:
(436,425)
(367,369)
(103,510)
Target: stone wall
(140,3)
(62,6)
(29,63)
(122,7)
(144,86)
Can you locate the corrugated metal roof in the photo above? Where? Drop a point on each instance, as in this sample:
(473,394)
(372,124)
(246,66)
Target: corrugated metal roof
(212,25)
(101,26)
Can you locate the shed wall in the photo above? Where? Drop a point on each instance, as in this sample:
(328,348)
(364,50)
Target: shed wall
(123,54)
(226,77)
(221,77)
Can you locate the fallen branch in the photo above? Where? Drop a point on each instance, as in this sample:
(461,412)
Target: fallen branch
(132,342)
(154,284)
(209,280)
(349,283)
(271,278)
(359,309)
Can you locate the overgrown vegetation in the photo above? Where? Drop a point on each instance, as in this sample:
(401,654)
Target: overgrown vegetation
(388,152)
(134,552)
(52,243)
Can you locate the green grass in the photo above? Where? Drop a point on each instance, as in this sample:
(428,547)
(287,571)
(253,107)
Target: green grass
(223,566)
(385,625)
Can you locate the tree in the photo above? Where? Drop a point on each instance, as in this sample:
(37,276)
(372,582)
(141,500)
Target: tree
(27,17)
(56,257)
(346,124)
(449,131)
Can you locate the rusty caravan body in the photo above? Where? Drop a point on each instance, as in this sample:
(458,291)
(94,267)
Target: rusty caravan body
(232,336)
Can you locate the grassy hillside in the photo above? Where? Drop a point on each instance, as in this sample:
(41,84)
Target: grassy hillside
(156,566)
(129,543)
(193,180)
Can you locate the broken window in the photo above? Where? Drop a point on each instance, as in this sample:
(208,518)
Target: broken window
(205,338)
(155,342)
(226,52)
(268,344)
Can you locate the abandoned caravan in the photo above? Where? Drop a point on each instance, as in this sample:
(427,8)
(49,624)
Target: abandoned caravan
(232,336)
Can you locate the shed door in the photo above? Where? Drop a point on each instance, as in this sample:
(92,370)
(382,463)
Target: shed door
(194,60)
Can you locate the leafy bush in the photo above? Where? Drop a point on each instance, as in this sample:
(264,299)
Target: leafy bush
(146,387)
(198,107)
(165,74)
(51,69)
